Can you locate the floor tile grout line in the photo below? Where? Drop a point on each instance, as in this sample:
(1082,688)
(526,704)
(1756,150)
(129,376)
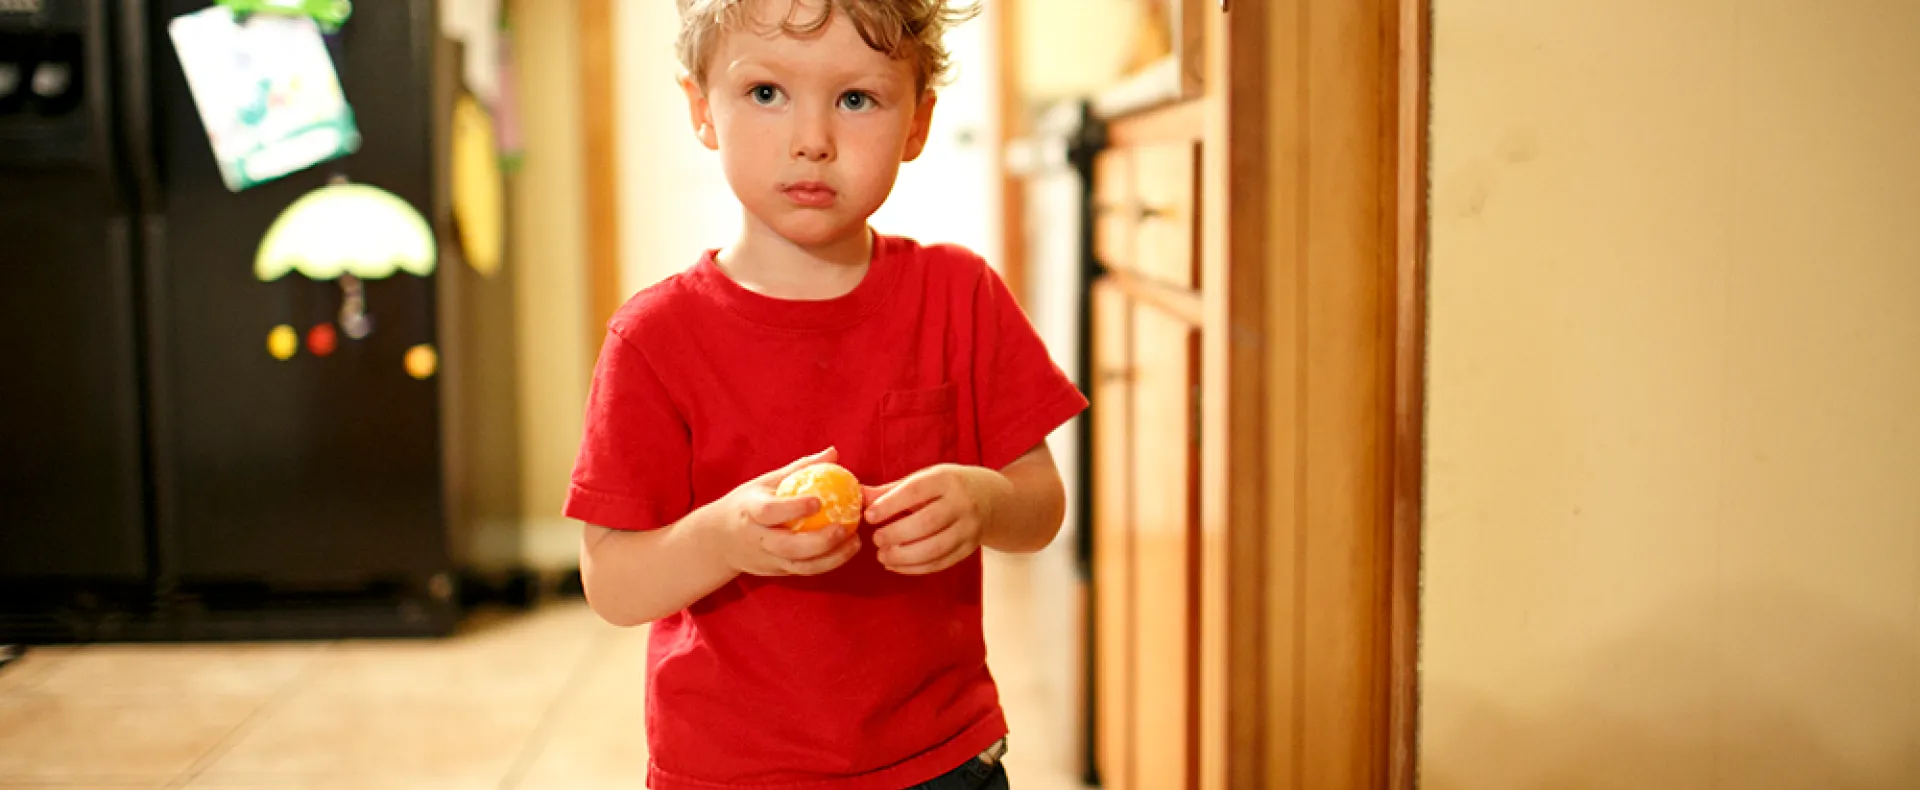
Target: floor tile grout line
(273,703)
(549,720)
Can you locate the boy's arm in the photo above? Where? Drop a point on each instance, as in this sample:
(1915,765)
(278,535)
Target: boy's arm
(634,578)
(637,577)
(1028,512)
(956,509)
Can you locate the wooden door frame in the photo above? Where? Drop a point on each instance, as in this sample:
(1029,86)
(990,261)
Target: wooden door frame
(1011,117)
(598,70)
(1412,80)
(1314,360)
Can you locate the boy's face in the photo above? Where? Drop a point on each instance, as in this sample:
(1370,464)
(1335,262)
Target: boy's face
(811,131)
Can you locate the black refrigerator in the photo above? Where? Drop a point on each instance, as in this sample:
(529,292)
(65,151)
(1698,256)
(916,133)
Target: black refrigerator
(162,476)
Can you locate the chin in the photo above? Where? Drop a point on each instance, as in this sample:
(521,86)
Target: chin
(817,231)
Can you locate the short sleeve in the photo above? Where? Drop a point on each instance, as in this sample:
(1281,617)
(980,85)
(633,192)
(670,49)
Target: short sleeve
(634,468)
(1021,395)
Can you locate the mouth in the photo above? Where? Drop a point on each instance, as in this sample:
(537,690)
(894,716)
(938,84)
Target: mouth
(810,194)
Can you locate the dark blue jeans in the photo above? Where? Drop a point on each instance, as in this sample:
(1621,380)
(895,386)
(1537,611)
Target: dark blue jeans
(977,774)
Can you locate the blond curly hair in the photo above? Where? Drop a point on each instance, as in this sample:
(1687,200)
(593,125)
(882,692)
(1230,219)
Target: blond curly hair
(902,29)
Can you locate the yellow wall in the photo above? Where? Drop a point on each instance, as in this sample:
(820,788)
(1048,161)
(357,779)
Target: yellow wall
(1673,535)
(674,200)
(549,251)
(1071,48)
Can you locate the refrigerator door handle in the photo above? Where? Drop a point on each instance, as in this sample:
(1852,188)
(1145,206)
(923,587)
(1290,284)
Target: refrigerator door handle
(140,155)
(136,66)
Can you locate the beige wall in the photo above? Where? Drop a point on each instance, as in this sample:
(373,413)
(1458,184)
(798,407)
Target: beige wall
(1673,535)
(1071,48)
(674,200)
(549,251)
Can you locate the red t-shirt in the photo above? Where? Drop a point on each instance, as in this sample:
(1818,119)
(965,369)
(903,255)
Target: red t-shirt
(861,677)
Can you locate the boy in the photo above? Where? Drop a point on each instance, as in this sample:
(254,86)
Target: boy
(827,660)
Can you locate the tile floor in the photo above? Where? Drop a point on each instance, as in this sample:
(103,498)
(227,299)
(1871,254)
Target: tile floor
(548,700)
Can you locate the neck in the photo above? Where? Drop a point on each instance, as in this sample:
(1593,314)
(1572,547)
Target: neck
(766,262)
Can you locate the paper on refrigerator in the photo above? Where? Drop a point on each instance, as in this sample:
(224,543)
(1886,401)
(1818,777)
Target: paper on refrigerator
(266,91)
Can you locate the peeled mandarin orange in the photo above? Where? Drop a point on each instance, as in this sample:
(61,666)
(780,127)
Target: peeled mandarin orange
(836,488)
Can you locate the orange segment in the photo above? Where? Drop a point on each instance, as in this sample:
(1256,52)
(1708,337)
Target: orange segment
(837,489)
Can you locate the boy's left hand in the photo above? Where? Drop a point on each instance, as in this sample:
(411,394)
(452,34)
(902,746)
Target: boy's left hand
(952,508)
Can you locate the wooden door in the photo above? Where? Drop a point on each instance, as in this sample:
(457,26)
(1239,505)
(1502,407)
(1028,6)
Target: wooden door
(1164,575)
(1112,536)
(1282,643)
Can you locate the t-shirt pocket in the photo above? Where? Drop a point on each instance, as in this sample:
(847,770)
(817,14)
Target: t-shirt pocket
(918,429)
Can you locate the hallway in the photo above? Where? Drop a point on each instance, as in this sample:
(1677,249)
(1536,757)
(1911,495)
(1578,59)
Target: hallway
(549,700)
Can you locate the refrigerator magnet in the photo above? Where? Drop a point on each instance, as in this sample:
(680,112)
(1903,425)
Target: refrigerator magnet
(322,340)
(421,361)
(282,343)
(350,234)
(346,228)
(267,93)
(353,308)
(331,14)
(479,202)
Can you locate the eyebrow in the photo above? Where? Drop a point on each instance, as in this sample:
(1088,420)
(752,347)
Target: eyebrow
(781,67)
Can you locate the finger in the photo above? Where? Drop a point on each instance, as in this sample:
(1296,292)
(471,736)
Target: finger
(948,560)
(818,565)
(869,494)
(827,456)
(927,521)
(770,512)
(908,494)
(804,546)
(813,567)
(921,552)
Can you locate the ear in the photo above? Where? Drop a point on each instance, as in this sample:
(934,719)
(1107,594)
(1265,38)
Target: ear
(701,112)
(922,126)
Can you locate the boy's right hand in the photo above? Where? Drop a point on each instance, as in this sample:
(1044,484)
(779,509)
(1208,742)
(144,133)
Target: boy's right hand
(754,538)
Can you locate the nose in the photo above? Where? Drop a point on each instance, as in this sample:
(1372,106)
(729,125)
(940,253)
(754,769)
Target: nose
(813,137)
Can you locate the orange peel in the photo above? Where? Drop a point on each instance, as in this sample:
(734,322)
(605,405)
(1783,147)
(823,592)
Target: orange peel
(836,488)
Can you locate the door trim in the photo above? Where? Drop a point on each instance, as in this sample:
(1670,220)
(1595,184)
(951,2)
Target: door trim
(1011,117)
(600,141)
(1412,74)
(1315,355)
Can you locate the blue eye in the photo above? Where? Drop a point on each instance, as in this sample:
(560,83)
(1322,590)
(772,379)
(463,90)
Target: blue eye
(764,94)
(856,101)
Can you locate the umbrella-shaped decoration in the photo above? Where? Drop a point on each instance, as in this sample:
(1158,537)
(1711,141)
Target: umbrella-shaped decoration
(354,229)
(348,233)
